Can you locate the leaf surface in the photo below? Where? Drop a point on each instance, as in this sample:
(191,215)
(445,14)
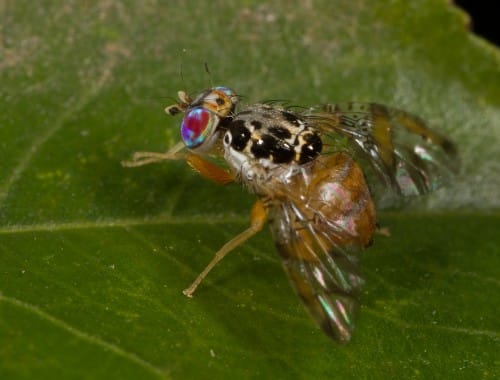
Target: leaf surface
(93,256)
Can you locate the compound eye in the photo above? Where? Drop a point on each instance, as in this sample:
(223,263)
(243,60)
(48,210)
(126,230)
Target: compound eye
(198,126)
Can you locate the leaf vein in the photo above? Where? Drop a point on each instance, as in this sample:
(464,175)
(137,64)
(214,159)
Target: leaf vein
(474,332)
(85,336)
(119,223)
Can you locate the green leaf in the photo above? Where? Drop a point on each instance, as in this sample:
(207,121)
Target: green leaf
(93,256)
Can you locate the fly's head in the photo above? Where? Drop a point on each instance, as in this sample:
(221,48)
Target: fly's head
(203,115)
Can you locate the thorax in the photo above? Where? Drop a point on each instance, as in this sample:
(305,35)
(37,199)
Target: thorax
(266,147)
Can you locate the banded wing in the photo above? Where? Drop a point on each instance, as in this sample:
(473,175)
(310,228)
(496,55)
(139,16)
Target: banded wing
(324,274)
(406,155)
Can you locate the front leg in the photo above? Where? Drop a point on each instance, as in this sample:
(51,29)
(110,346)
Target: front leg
(205,168)
(145,158)
(208,170)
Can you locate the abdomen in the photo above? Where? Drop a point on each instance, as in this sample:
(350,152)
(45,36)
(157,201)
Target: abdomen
(338,191)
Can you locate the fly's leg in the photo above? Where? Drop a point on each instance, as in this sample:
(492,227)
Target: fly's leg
(214,173)
(258,218)
(209,170)
(199,164)
(144,158)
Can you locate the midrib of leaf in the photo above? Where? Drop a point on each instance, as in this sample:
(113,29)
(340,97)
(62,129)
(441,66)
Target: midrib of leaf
(121,223)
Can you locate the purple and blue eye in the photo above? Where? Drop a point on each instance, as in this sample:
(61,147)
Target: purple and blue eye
(197,126)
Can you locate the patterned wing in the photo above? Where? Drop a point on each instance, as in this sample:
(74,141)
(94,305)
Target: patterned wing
(324,273)
(406,155)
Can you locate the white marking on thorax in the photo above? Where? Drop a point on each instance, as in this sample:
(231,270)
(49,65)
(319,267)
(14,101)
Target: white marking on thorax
(259,175)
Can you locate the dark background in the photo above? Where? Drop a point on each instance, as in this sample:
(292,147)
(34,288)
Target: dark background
(483,18)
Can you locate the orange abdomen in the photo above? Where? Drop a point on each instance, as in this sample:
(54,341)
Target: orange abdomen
(339,192)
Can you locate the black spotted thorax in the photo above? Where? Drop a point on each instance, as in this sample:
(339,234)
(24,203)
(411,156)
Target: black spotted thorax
(265,141)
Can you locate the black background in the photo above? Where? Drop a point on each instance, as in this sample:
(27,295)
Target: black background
(485,17)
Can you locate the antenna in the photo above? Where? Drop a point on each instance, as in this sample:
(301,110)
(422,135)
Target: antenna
(207,70)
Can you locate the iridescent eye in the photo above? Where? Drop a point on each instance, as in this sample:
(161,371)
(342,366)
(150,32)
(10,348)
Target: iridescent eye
(198,126)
